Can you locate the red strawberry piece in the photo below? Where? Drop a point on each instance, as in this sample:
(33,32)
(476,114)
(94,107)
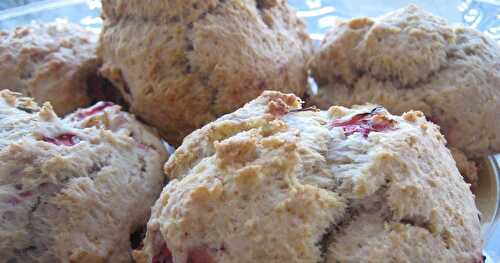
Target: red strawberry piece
(26,194)
(362,128)
(363,123)
(199,255)
(381,125)
(356,119)
(480,259)
(66,139)
(163,256)
(141,146)
(14,200)
(100,106)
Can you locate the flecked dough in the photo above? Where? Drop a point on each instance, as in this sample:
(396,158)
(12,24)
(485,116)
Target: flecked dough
(275,182)
(409,59)
(74,189)
(53,62)
(181,64)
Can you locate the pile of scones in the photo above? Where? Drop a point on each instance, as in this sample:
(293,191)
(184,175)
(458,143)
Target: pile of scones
(265,169)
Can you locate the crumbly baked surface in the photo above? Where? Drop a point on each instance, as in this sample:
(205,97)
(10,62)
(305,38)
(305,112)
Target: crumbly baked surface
(181,64)
(410,59)
(54,62)
(74,189)
(274,182)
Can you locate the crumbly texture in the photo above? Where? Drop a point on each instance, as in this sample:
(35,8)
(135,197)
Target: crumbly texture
(54,62)
(180,64)
(410,59)
(74,189)
(273,182)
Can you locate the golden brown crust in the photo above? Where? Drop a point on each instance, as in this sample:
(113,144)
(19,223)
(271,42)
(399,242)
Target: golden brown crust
(272,182)
(50,62)
(409,59)
(74,189)
(180,64)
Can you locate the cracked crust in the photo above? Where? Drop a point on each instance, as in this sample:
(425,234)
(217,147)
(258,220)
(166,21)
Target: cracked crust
(272,182)
(53,62)
(74,189)
(409,59)
(159,56)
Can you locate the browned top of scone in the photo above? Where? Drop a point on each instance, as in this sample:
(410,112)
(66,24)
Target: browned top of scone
(74,189)
(180,64)
(273,182)
(411,60)
(49,62)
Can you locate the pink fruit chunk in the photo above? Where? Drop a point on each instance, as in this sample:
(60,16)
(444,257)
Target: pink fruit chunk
(163,256)
(100,106)
(479,259)
(141,146)
(66,139)
(363,123)
(14,200)
(199,255)
(26,194)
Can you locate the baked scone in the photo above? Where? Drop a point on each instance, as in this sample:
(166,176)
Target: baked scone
(410,59)
(181,64)
(74,189)
(54,62)
(273,182)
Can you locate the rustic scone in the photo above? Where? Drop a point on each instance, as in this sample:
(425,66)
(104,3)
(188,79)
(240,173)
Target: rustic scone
(273,182)
(181,64)
(409,59)
(74,189)
(54,62)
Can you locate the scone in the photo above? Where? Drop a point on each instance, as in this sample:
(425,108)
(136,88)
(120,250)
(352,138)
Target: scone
(74,189)
(54,62)
(410,59)
(274,182)
(180,64)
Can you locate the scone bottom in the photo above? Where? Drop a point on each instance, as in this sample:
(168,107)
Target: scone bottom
(273,182)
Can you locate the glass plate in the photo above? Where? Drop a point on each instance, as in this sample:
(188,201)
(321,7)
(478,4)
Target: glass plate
(320,15)
(483,15)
